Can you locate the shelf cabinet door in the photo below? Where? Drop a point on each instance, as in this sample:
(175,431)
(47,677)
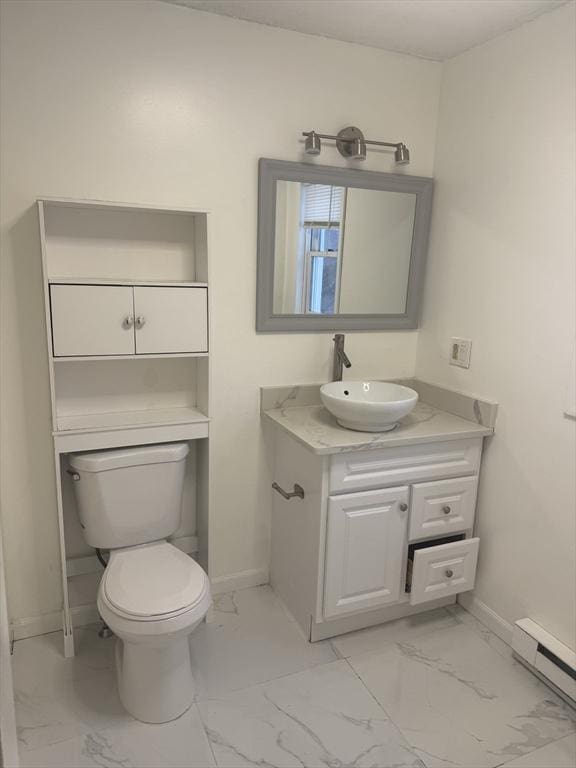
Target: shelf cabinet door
(366,547)
(92,320)
(170,320)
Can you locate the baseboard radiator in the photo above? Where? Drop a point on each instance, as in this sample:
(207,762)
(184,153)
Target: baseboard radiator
(546,656)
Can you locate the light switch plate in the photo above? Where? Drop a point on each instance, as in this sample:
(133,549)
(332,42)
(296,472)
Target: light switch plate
(460,350)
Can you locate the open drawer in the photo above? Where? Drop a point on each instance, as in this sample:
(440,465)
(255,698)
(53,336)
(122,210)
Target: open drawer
(437,570)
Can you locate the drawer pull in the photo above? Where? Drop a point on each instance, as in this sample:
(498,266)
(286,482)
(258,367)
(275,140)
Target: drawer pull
(403,507)
(446,510)
(297,492)
(449,573)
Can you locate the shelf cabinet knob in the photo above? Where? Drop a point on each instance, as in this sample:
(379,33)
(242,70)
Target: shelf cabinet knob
(128,321)
(448,573)
(403,507)
(446,510)
(140,321)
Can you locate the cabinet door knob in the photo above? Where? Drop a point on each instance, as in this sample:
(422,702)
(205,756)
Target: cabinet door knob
(140,321)
(448,573)
(128,321)
(403,507)
(446,510)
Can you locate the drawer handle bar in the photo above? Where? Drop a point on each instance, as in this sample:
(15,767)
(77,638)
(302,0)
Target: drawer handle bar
(446,510)
(298,491)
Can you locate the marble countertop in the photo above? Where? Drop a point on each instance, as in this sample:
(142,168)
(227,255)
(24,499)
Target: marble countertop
(318,430)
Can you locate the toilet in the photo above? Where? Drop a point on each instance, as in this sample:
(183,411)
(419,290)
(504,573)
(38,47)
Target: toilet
(152,595)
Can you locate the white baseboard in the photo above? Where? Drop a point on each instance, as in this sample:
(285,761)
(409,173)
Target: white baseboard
(242,580)
(486,616)
(88,614)
(52,622)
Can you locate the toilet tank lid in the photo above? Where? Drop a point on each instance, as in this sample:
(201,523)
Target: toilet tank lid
(100,461)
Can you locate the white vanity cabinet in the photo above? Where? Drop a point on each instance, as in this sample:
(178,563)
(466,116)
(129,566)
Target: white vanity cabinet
(100,320)
(380,533)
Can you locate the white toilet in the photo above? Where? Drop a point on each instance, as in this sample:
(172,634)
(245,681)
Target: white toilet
(151,595)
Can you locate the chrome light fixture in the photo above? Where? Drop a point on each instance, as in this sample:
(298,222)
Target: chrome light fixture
(350,142)
(313,144)
(402,155)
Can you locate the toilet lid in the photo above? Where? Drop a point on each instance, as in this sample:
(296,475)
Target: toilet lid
(153,580)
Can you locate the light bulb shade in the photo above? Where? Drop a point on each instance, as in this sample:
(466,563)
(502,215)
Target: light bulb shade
(358,150)
(402,155)
(312,145)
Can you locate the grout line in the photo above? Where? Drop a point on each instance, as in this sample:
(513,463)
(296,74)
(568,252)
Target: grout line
(390,719)
(203,724)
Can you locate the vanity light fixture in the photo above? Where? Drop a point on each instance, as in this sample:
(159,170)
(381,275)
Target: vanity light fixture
(350,142)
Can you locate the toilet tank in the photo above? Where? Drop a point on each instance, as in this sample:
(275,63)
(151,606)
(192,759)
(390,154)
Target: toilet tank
(129,496)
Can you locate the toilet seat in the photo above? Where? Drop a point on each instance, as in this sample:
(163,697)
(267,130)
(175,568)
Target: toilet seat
(153,582)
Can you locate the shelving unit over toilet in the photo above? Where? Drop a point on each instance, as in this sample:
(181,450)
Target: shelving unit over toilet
(126,291)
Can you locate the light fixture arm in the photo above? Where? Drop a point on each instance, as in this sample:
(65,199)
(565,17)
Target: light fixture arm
(366,141)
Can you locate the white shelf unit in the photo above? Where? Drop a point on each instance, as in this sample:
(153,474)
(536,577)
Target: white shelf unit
(102,400)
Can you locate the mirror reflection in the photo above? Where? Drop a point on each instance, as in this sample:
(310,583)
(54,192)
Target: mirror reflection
(341,250)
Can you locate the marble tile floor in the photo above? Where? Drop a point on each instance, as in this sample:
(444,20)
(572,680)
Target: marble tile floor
(437,690)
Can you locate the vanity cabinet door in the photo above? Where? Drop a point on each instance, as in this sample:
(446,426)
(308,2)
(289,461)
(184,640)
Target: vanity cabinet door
(365,550)
(170,320)
(92,320)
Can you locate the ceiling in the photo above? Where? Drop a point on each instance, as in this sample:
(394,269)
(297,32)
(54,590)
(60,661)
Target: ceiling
(432,29)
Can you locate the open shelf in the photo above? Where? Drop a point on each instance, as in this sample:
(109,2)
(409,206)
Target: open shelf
(99,422)
(97,243)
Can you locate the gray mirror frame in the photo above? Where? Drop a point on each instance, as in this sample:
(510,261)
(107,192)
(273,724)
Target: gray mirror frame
(272,171)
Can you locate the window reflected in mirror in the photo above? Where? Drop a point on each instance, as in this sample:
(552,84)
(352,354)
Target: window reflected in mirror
(341,250)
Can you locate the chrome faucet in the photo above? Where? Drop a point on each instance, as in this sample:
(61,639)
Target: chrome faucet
(340,357)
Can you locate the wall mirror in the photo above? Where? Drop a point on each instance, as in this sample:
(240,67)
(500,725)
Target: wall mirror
(339,249)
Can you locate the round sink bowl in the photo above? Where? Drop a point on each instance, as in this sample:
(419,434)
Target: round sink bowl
(368,406)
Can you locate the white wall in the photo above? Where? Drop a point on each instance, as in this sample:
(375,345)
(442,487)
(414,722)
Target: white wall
(501,271)
(148,102)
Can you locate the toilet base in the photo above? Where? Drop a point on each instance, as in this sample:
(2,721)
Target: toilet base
(155,682)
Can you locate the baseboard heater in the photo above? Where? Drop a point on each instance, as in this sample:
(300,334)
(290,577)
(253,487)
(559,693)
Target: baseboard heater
(546,656)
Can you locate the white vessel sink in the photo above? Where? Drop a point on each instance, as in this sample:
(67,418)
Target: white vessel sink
(368,406)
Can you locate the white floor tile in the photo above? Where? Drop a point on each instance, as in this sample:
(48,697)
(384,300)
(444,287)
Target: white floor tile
(459,702)
(377,638)
(250,640)
(559,754)
(179,744)
(46,715)
(321,717)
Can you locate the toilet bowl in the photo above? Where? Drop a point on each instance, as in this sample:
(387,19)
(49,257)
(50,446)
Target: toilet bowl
(152,595)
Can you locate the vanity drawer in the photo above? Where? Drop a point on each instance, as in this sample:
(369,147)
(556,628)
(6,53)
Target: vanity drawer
(443,570)
(362,470)
(442,507)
